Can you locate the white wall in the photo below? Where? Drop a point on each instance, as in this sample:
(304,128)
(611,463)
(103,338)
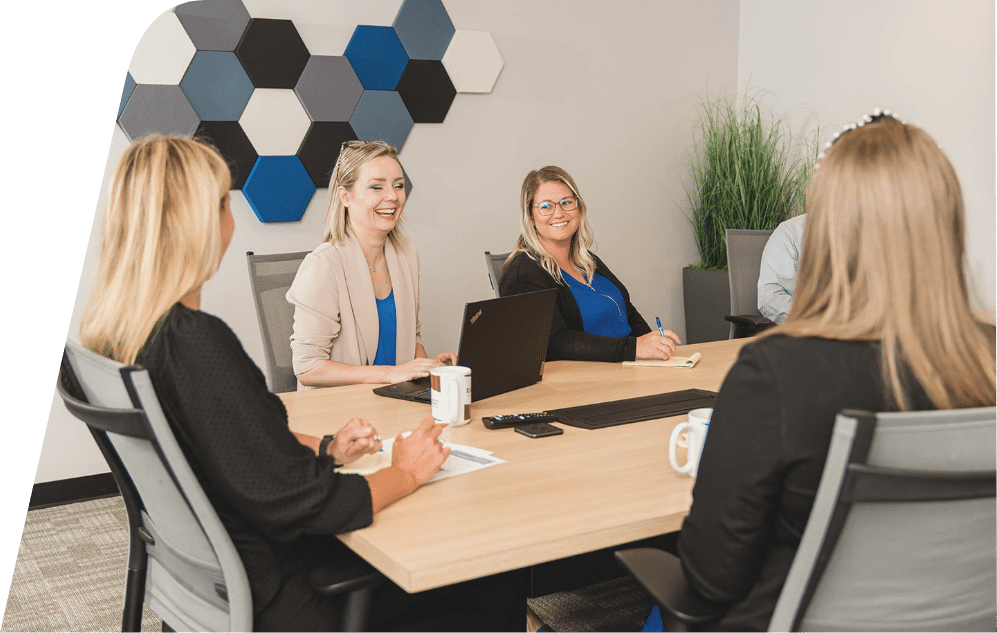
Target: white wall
(930,62)
(605,90)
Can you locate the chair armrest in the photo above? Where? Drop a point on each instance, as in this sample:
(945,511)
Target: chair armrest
(344,577)
(660,573)
(748,324)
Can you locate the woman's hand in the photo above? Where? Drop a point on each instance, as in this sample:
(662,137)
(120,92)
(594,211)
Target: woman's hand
(447,358)
(421,453)
(356,439)
(417,368)
(653,345)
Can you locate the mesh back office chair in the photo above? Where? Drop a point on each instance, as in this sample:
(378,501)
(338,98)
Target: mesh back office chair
(181,560)
(271,276)
(494,263)
(744,258)
(901,535)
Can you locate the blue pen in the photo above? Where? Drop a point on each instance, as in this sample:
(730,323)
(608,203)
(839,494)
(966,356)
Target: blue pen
(661,332)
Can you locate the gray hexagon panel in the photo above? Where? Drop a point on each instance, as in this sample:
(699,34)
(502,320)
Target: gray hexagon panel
(424,28)
(381,115)
(162,109)
(328,88)
(213,25)
(217,86)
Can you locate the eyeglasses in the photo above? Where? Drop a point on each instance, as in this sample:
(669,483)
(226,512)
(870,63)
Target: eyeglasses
(547,206)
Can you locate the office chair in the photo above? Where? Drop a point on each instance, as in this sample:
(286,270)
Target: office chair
(270,277)
(744,259)
(181,560)
(494,263)
(900,537)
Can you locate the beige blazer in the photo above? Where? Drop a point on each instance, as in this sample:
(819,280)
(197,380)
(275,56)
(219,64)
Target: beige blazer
(335,313)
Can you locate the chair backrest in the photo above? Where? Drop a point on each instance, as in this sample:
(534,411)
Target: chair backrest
(494,264)
(193,577)
(744,259)
(271,276)
(901,535)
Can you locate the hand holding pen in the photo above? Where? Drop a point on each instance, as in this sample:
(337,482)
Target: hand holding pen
(660,344)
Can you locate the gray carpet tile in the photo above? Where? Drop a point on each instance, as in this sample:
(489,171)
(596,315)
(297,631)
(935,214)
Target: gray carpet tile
(70,570)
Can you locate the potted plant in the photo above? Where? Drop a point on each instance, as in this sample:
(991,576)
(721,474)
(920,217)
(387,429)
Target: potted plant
(747,171)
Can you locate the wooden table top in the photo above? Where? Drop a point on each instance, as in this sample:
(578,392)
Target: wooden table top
(555,497)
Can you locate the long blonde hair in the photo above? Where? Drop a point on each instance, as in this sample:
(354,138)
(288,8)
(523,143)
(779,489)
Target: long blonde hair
(528,241)
(161,239)
(352,156)
(884,259)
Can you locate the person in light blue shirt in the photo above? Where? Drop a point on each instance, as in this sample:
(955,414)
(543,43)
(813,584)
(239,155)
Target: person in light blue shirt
(777,275)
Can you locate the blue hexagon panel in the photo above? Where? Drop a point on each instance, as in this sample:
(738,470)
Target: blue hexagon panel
(126,92)
(278,189)
(217,86)
(377,56)
(381,116)
(424,29)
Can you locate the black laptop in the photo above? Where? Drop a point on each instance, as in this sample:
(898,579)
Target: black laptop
(503,341)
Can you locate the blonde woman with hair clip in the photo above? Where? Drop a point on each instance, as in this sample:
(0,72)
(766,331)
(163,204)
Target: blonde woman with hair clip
(356,296)
(881,321)
(167,225)
(593,318)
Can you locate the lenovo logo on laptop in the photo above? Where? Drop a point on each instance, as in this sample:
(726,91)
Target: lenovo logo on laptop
(475,317)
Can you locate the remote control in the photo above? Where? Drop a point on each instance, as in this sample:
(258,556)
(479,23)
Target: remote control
(517,419)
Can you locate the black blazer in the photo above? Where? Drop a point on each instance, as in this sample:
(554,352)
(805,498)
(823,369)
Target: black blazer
(568,339)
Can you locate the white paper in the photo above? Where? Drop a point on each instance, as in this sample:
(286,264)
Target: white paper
(463,459)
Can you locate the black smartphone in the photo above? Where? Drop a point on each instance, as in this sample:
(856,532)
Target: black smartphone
(539,429)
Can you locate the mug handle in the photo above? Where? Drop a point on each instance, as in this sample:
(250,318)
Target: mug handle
(672,442)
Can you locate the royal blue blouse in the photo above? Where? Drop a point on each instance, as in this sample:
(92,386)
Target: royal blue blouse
(387,330)
(604,312)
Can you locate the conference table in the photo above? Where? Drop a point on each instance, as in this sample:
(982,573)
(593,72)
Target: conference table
(553,498)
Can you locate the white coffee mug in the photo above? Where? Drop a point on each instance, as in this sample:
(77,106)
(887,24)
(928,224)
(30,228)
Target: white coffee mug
(450,394)
(698,425)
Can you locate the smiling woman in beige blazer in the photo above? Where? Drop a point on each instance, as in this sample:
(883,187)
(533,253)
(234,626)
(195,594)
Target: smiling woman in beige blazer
(362,260)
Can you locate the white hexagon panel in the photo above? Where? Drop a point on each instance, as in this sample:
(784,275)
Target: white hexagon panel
(163,53)
(326,26)
(274,121)
(473,61)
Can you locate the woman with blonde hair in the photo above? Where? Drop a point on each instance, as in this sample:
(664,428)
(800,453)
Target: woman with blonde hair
(356,296)
(881,321)
(593,318)
(166,226)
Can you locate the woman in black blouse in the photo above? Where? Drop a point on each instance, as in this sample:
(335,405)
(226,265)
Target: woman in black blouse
(594,318)
(166,226)
(881,321)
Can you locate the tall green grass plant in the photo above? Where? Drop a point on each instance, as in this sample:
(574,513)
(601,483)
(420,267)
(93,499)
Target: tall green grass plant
(748,171)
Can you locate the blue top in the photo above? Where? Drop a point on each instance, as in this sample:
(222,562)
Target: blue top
(604,312)
(387,330)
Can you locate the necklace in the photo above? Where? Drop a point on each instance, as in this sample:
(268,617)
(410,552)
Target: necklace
(588,283)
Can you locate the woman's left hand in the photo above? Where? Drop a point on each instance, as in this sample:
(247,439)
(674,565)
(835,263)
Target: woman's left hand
(447,358)
(353,441)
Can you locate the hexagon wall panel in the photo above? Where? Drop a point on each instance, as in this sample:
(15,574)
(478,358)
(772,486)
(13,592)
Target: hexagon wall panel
(217,86)
(377,56)
(329,89)
(424,29)
(213,25)
(320,149)
(272,53)
(274,121)
(162,109)
(426,90)
(163,53)
(278,189)
(126,92)
(381,116)
(326,26)
(234,145)
(473,61)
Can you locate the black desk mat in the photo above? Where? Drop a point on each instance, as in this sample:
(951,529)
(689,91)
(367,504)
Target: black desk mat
(616,412)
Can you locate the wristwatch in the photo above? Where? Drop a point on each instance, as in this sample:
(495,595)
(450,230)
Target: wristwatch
(323,446)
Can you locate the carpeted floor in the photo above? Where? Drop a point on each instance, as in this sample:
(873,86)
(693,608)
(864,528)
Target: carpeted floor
(70,575)
(70,570)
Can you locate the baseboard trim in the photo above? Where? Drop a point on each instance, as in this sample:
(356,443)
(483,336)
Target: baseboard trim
(62,491)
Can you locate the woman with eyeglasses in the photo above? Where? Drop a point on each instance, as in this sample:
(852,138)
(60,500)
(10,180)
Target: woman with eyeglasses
(594,318)
(356,296)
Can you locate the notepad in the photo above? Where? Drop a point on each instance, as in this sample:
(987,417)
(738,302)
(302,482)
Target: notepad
(674,361)
(463,459)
